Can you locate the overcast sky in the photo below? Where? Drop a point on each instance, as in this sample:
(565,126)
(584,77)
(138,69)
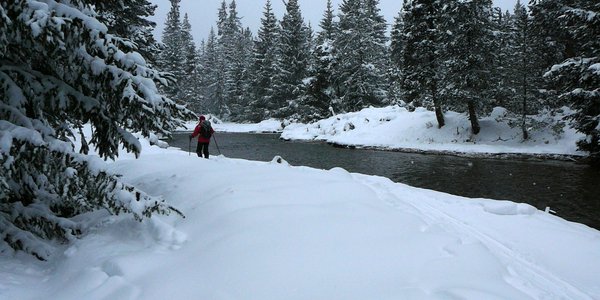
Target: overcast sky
(203,13)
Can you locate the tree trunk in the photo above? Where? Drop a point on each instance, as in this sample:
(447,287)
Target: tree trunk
(439,115)
(473,118)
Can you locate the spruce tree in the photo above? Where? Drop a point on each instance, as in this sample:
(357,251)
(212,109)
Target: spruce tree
(577,78)
(210,63)
(379,51)
(292,60)
(172,57)
(237,46)
(377,27)
(220,63)
(189,92)
(526,74)
(397,47)
(552,41)
(229,40)
(240,93)
(360,53)
(502,91)
(320,91)
(226,62)
(222,18)
(129,18)
(201,84)
(188,46)
(62,68)
(264,66)
(327,25)
(420,54)
(468,53)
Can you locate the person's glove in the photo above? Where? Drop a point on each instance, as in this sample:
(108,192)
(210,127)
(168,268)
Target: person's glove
(190,137)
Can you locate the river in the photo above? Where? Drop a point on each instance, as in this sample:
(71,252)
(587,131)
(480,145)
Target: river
(570,189)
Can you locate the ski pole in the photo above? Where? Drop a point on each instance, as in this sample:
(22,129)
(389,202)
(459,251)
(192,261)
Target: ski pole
(216,144)
(190,147)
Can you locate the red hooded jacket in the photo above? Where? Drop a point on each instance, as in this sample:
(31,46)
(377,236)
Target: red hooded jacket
(201,139)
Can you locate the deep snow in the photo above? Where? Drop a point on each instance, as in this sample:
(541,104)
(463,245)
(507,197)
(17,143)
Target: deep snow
(395,127)
(268,230)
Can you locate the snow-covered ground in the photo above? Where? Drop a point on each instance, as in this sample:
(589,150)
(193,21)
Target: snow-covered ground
(257,230)
(396,128)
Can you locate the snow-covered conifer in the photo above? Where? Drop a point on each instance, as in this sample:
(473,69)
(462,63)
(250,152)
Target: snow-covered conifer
(292,61)
(129,18)
(502,92)
(216,65)
(237,46)
(226,62)
(210,75)
(396,59)
(327,25)
(420,55)
(239,93)
(578,77)
(172,57)
(467,56)
(264,66)
(524,71)
(552,41)
(222,18)
(189,89)
(360,55)
(320,91)
(62,68)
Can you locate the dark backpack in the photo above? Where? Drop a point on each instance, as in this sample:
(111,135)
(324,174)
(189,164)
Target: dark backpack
(205,129)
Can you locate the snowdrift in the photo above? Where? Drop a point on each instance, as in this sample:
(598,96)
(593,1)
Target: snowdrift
(395,128)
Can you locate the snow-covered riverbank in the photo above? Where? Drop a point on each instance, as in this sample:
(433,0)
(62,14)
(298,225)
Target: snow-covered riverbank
(257,230)
(394,128)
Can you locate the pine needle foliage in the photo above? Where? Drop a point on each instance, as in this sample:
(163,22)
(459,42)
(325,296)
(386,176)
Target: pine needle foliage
(62,68)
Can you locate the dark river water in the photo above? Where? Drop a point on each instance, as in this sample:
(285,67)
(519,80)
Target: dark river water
(570,189)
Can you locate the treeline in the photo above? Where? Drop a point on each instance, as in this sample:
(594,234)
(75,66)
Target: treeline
(464,56)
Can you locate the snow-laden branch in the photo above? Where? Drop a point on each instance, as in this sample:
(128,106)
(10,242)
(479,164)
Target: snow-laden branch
(61,68)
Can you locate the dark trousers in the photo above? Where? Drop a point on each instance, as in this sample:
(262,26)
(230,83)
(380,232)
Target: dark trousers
(202,148)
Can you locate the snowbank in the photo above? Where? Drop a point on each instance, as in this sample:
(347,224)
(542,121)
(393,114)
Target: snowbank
(395,127)
(267,126)
(256,230)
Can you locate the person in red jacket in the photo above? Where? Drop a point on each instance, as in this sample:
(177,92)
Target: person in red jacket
(204,131)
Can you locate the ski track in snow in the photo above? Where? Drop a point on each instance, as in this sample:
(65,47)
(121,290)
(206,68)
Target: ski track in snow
(516,262)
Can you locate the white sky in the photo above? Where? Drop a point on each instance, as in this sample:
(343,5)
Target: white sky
(203,13)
